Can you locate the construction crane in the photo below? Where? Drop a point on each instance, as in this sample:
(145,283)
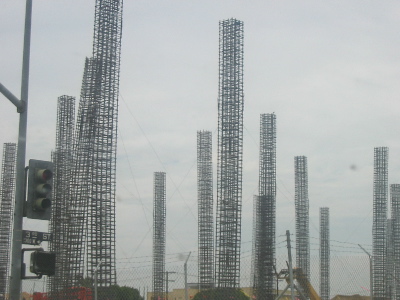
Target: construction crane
(307,291)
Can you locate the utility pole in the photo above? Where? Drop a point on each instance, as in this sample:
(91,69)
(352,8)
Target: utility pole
(371,291)
(185,272)
(166,283)
(95,279)
(22,109)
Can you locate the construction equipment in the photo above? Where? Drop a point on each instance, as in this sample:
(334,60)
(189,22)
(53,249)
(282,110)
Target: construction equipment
(307,291)
(305,284)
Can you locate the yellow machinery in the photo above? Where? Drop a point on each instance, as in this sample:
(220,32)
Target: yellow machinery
(305,285)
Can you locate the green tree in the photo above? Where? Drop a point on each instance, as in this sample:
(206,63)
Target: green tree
(125,293)
(221,294)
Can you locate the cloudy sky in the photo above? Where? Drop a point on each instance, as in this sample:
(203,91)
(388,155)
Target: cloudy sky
(330,70)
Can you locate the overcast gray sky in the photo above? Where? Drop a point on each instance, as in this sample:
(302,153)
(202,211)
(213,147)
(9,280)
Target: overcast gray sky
(330,70)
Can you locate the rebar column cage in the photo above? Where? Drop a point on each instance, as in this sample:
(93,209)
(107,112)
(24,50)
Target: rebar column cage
(63,163)
(265,212)
(381,155)
(395,215)
(159,224)
(93,203)
(302,215)
(79,182)
(324,253)
(230,154)
(389,261)
(7,195)
(205,210)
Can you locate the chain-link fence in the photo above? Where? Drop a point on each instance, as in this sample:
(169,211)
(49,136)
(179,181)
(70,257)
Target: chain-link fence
(349,275)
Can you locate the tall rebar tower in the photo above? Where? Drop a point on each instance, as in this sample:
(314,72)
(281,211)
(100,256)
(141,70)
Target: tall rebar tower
(79,184)
(92,215)
(6,212)
(302,215)
(63,163)
(395,214)
(230,153)
(265,212)
(205,210)
(389,261)
(324,253)
(381,155)
(159,223)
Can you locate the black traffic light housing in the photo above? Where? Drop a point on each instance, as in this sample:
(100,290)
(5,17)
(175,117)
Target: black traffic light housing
(40,184)
(43,262)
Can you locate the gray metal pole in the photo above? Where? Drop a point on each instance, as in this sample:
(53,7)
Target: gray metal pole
(185,271)
(15,279)
(290,264)
(371,287)
(95,279)
(166,285)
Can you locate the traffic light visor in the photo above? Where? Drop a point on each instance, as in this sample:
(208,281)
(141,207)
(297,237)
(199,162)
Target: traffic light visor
(42,204)
(44,174)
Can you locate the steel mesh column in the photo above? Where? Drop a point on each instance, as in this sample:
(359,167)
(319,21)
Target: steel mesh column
(263,286)
(7,195)
(205,210)
(230,153)
(389,261)
(324,253)
(92,213)
(379,221)
(159,223)
(63,163)
(395,214)
(302,215)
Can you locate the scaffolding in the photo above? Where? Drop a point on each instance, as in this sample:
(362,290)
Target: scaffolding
(395,215)
(205,210)
(265,212)
(159,223)
(92,213)
(379,221)
(230,154)
(324,253)
(302,215)
(7,194)
(63,163)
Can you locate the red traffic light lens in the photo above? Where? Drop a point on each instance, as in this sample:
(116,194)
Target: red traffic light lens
(44,174)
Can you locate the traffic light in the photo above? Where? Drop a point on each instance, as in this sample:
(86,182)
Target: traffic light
(43,262)
(38,204)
